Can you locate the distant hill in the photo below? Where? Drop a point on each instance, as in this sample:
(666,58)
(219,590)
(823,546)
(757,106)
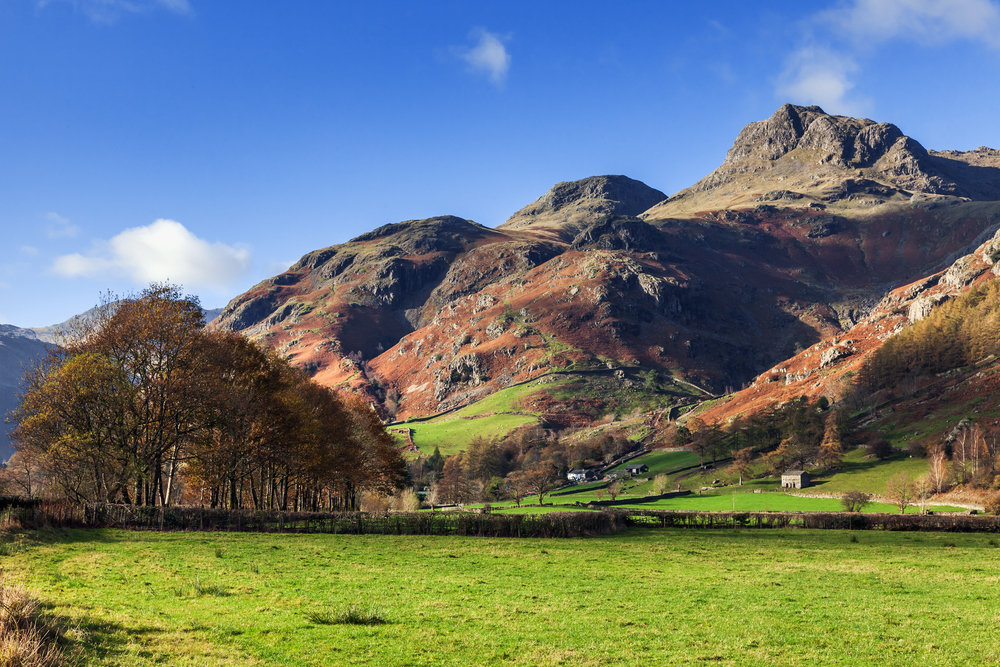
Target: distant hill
(18,347)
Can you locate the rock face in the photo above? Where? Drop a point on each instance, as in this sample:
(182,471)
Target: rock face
(568,204)
(796,237)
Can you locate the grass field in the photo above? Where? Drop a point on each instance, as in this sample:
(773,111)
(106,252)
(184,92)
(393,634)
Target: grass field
(640,598)
(721,502)
(455,435)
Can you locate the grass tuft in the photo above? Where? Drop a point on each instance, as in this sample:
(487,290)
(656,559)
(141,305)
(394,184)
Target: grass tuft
(353,615)
(198,589)
(27,639)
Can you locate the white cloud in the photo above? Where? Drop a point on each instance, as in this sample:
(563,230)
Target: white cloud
(59,227)
(814,75)
(822,71)
(164,250)
(109,11)
(29,250)
(489,56)
(924,21)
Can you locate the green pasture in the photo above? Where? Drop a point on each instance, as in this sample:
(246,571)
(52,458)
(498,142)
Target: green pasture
(452,435)
(720,501)
(769,502)
(868,475)
(666,463)
(637,598)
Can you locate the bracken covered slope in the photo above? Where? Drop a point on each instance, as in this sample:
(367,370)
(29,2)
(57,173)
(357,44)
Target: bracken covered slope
(808,223)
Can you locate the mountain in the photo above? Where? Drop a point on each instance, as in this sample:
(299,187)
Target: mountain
(798,235)
(18,347)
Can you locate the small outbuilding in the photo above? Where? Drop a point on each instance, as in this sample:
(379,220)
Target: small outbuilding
(794,479)
(636,468)
(578,476)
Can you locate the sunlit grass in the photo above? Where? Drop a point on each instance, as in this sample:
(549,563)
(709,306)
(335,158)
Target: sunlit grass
(642,597)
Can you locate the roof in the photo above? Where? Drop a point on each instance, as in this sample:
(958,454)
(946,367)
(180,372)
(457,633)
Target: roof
(795,472)
(576,472)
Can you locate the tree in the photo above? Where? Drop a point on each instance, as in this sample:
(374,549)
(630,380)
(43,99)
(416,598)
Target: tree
(880,448)
(923,489)
(141,400)
(741,463)
(661,484)
(517,485)
(992,504)
(899,491)
(855,501)
(831,448)
(541,476)
(453,487)
(615,489)
(937,469)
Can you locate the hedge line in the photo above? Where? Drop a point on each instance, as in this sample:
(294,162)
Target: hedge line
(552,524)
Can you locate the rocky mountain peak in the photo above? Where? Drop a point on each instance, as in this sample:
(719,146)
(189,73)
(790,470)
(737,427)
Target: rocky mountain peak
(585,201)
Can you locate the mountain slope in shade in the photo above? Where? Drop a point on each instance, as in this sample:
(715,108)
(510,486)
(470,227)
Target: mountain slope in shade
(823,369)
(18,348)
(711,286)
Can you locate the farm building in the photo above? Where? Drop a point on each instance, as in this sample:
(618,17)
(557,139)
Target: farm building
(636,468)
(794,479)
(580,476)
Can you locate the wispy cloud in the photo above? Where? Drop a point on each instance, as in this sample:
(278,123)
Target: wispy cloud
(164,250)
(58,227)
(489,56)
(922,21)
(109,11)
(817,75)
(840,40)
(31,251)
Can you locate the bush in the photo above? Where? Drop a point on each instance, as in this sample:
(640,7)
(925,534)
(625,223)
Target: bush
(992,504)
(855,501)
(880,448)
(918,449)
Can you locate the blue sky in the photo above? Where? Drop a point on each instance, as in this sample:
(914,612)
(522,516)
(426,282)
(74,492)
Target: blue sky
(213,143)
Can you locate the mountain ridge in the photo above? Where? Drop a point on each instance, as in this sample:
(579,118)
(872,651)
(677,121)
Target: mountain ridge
(808,222)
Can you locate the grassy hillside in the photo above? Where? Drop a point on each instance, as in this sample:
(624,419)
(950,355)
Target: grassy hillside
(634,599)
(557,400)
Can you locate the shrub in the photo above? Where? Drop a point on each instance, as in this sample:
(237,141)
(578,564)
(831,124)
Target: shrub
(992,504)
(918,449)
(880,448)
(855,501)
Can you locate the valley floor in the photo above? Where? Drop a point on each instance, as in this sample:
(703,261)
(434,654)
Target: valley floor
(641,597)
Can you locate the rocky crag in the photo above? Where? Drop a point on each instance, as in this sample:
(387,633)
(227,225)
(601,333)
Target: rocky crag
(795,239)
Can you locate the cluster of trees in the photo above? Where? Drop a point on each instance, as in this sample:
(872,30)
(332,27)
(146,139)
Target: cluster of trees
(957,333)
(796,434)
(142,405)
(529,461)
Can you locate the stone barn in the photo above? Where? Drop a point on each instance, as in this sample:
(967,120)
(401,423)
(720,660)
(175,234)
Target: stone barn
(795,479)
